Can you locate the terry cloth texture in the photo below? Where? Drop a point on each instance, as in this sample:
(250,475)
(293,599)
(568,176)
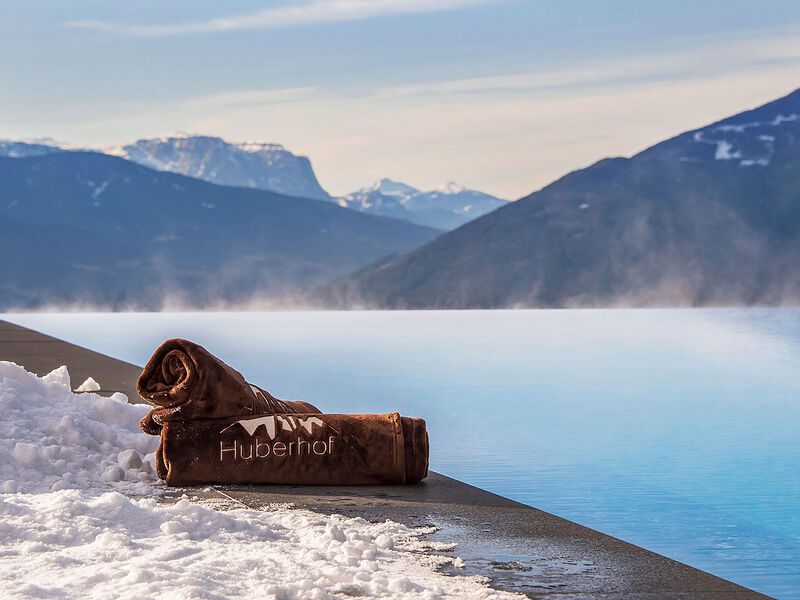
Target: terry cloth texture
(186,382)
(217,428)
(297,449)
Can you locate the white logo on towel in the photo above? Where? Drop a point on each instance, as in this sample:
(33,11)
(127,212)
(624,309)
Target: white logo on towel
(288,423)
(283,447)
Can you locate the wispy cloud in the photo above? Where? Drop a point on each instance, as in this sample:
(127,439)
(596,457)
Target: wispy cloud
(245,98)
(298,13)
(637,70)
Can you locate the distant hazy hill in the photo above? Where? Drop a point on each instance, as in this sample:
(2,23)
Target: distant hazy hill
(446,207)
(87,227)
(246,164)
(64,265)
(711,216)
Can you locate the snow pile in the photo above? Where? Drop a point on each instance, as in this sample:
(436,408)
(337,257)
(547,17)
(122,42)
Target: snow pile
(52,439)
(93,541)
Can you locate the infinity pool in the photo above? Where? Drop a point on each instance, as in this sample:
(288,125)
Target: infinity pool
(677,430)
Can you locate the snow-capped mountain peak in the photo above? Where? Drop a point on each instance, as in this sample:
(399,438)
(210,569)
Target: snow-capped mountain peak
(445,207)
(451,187)
(253,164)
(393,189)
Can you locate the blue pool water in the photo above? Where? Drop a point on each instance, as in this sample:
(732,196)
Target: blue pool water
(677,430)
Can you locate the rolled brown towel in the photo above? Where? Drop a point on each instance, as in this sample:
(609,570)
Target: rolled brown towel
(186,382)
(294,449)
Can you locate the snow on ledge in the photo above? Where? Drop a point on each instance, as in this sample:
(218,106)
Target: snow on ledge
(66,530)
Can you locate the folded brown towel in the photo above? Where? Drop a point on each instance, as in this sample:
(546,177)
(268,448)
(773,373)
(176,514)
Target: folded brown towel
(186,382)
(294,449)
(217,428)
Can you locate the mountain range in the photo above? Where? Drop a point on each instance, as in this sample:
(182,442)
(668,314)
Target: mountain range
(86,227)
(446,207)
(709,217)
(271,167)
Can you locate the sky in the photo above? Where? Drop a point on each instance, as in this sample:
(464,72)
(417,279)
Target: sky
(503,96)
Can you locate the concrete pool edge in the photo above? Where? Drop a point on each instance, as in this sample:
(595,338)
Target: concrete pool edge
(518,547)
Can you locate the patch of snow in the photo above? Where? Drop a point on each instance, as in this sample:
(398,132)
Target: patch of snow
(111,149)
(393,189)
(735,128)
(749,162)
(90,385)
(784,119)
(742,127)
(99,189)
(450,187)
(67,529)
(583,206)
(256,147)
(724,147)
(208,205)
(723,151)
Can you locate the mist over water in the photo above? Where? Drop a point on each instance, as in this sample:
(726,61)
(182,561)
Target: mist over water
(674,429)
